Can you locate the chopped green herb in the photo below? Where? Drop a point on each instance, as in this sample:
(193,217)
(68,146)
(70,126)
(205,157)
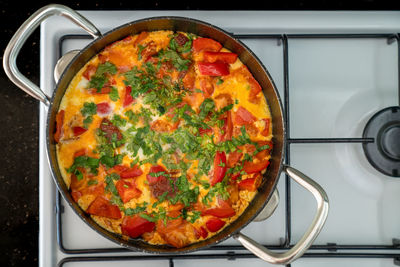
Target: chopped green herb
(185,195)
(85,162)
(118,121)
(116,200)
(206,107)
(92,182)
(89,108)
(138,209)
(97,82)
(87,121)
(114,94)
(219,189)
(99,79)
(106,67)
(193,216)
(110,162)
(172,56)
(140,49)
(110,186)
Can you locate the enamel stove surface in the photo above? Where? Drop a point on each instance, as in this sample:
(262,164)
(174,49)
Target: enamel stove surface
(335,84)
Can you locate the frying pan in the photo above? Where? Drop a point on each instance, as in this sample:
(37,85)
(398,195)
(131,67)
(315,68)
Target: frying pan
(200,28)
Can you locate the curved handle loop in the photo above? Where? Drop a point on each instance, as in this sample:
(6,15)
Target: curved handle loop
(22,34)
(310,235)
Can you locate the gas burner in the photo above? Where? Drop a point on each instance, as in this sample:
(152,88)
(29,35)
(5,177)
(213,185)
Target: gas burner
(384,153)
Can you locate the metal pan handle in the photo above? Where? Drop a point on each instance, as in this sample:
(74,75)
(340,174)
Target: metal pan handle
(21,35)
(310,235)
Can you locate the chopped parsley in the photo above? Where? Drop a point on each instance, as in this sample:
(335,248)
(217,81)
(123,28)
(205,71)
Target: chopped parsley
(110,186)
(92,182)
(100,78)
(118,121)
(185,48)
(219,189)
(88,110)
(186,195)
(89,163)
(172,56)
(106,67)
(114,96)
(138,209)
(110,162)
(191,216)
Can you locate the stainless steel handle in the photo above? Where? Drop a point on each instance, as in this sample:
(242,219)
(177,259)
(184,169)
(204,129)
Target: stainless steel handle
(21,35)
(310,235)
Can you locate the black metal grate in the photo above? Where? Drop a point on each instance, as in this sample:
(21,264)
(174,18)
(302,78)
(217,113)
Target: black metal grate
(330,250)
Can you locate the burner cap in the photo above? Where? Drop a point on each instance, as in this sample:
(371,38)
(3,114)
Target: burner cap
(384,153)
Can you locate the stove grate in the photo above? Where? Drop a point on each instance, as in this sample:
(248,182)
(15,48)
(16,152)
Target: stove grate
(332,249)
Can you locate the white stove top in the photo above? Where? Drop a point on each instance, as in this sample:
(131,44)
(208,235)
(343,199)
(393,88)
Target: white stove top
(335,85)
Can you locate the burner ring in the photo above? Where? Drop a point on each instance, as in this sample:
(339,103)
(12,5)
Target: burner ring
(389,136)
(384,153)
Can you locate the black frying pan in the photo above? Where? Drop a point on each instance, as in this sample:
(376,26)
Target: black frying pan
(200,28)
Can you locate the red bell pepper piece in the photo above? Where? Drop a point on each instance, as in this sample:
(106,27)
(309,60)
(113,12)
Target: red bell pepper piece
(234,158)
(119,168)
(133,172)
(227,57)
(201,232)
(214,224)
(213,69)
(255,88)
(267,122)
(219,168)
(149,51)
(235,176)
(155,169)
(224,210)
(104,90)
(80,152)
(103,108)
(244,117)
(76,195)
(250,184)
(77,184)
(78,130)
(227,128)
(136,226)
(89,71)
(206,86)
(59,123)
(102,207)
(207,44)
(205,131)
(264,153)
(84,190)
(127,190)
(128,99)
(140,38)
(250,167)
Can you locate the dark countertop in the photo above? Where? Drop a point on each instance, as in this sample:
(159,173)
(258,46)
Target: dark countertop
(19,166)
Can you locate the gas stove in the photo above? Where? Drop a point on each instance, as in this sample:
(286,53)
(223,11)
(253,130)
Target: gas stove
(334,72)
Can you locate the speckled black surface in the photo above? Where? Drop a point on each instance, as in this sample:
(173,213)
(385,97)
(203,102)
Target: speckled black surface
(19,130)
